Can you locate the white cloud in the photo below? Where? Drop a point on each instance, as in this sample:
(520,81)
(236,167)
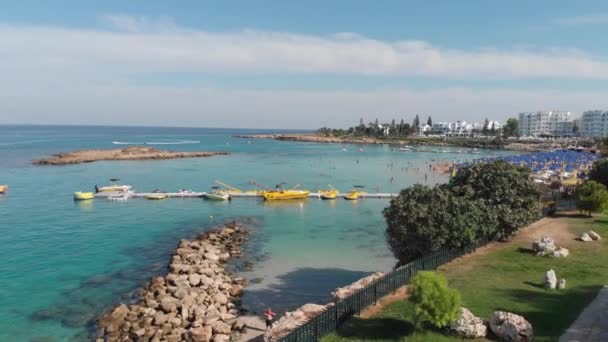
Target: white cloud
(59,75)
(142,45)
(589,19)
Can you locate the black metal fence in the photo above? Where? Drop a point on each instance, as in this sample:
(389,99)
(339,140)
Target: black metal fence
(344,309)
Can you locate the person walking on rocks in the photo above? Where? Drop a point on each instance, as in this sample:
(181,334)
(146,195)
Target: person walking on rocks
(269,316)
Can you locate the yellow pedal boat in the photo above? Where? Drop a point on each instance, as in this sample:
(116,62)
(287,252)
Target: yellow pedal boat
(82,196)
(156,196)
(328,194)
(352,195)
(272,195)
(3,189)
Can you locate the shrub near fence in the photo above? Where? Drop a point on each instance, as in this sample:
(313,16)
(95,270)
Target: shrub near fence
(344,309)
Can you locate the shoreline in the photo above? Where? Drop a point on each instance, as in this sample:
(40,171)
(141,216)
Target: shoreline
(128,153)
(196,300)
(454,142)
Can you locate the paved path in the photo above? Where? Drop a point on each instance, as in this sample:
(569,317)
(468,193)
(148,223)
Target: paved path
(592,324)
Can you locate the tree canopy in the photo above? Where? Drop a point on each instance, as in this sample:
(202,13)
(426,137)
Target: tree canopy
(485,201)
(599,172)
(505,189)
(592,197)
(511,128)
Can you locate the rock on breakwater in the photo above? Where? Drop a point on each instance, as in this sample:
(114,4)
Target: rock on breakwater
(196,301)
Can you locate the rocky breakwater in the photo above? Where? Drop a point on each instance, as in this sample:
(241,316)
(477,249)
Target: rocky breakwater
(196,301)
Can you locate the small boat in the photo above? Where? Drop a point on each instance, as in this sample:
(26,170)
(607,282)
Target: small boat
(352,195)
(328,194)
(216,196)
(3,189)
(271,195)
(332,193)
(83,196)
(156,196)
(114,188)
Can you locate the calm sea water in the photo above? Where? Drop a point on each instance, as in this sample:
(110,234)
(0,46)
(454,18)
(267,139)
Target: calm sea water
(65,262)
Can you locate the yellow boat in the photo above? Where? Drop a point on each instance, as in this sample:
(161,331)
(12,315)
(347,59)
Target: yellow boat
(3,189)
(113,188)
(328,194)
(156,196)
(271,195)
(82,196)
(353,195)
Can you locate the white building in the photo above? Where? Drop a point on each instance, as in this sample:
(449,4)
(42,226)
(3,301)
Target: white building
(594,124)
(546,124)
(459,128)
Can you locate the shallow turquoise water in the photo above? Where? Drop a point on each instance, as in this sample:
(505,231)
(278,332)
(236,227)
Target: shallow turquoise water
(64,262)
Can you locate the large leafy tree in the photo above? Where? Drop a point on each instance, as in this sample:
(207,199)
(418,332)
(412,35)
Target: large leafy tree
(599,172)
(511,128)
(592,197)
(424,219)
(505,189)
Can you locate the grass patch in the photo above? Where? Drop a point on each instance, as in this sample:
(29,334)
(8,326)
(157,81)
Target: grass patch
(508,279)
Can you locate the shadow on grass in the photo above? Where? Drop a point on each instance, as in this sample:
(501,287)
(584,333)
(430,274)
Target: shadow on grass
(375,328)
(526,250)
(537,285)
(551,312)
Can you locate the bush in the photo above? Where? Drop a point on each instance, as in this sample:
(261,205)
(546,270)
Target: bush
(505,189)
(592,197)
(434,301)
(599,172)
(423,219)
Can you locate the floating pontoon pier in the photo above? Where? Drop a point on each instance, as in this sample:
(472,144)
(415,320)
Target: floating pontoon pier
(107,194)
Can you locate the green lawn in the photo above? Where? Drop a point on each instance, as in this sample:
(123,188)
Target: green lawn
(507,279)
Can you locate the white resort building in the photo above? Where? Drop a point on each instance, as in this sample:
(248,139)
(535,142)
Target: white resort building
(547,124)
(594,124)
(458,128)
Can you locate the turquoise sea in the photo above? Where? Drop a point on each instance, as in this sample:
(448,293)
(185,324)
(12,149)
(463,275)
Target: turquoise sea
(64,262)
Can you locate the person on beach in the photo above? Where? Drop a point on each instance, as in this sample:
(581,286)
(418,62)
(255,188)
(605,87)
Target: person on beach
(269,316)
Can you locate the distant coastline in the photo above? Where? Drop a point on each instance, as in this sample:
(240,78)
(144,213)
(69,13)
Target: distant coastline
(129,153)
(459,142)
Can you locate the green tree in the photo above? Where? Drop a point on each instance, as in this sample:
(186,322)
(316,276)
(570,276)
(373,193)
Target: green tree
(575,129)
(486,127)
(599,172)
(511,128)
(592,197)
(429,121)
(505,189)
(416,122)
(433,300)
(422,219)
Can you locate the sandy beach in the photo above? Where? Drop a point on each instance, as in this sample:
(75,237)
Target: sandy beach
(129,153)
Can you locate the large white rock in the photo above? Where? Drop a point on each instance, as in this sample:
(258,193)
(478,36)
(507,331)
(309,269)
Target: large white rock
(585,237)
(594,235)
(544,246)
(511,327)
(343,292)
(469,325)
(560,253)
(550,280)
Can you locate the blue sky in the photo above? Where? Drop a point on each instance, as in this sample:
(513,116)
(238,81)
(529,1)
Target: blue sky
(297,64)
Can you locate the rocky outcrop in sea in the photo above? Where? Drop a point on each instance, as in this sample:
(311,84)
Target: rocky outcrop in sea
(196,301)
